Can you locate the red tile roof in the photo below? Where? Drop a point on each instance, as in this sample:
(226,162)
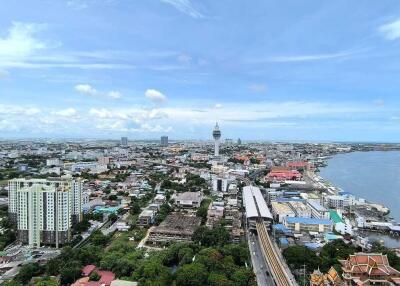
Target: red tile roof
(364,264)
(88,269)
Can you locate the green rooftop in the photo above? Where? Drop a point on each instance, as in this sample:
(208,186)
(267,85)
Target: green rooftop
(335,216)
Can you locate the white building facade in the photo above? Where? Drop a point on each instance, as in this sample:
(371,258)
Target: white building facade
(44,211)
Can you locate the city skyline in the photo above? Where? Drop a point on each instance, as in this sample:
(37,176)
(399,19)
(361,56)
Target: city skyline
(305,71)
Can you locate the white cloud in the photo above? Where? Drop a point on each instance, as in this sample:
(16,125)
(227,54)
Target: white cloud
(86,89)
(391,31)
(65,112)
(155,95)
(114,94)
(90,90)
(20,42)
(18,110)
(21,48)
(184,6)
(308,58)
(108,122)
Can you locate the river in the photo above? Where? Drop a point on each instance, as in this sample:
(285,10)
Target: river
(374,176)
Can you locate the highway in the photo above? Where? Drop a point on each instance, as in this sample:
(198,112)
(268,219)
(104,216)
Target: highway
(260,268)
(278,269)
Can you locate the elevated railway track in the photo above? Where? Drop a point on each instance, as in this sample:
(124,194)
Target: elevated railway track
(259,219)
(276,265)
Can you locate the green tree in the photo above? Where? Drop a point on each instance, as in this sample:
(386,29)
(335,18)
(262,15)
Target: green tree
(243,277)
(98,238)
(11,283)
(113,217)
(194,274)
(298,256)
(94,276)
(70,274)
(28,271)
(217,236)
(46,282)
(332,252)
(218,279)
(135,208)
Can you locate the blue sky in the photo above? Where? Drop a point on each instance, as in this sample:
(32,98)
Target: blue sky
(272,70)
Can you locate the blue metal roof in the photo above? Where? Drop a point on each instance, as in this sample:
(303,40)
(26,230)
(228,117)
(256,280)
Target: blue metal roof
(282,200)
(283,241)
(306,220)
(312,245)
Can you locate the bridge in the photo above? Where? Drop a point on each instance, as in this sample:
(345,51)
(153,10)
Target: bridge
(259,218)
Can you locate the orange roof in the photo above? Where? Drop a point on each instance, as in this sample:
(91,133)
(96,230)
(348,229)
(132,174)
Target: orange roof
(368,264)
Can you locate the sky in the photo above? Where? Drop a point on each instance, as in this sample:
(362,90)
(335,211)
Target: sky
(265,70)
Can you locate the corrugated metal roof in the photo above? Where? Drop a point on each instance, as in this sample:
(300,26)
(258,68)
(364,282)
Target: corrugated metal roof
(306,220)
(252,198)
(335,216)
(249,203)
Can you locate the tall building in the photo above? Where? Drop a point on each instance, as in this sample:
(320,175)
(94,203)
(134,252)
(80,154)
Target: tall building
(217,136)
(164,141)
(239,141)
(124,141)
(44,210)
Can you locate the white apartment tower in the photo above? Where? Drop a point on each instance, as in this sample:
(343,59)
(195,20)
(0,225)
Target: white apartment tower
(44,211)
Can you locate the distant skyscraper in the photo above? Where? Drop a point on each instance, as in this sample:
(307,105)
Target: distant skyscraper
(164,141)
(217,136)
(44,211)
(124,141)
(239,142)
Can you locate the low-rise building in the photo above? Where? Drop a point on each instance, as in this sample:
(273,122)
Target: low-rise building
(317,210)
(175,228)
(146,217)
(342,226)
(189,199)
(281,210)
(214,214)
(300,224)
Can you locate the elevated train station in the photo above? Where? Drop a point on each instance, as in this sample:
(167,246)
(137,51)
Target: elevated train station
(256,207)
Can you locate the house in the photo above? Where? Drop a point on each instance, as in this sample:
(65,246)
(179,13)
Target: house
(106,277)
(146,217)
(369,269)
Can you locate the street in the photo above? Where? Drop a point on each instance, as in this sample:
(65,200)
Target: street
(260,268)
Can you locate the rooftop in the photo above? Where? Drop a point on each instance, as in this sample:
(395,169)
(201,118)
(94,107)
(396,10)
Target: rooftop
(306,220)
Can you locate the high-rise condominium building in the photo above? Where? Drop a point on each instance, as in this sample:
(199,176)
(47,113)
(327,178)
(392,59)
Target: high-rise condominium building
(164,141)
(44,210)
(124,141)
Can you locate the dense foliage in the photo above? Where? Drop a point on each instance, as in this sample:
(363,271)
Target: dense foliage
(298,257)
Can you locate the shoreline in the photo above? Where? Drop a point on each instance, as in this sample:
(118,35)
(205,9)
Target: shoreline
(339,189)
(384,236)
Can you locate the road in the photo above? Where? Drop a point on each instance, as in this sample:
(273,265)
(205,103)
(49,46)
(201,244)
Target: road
(281,274)
(260,268)
(268,263)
